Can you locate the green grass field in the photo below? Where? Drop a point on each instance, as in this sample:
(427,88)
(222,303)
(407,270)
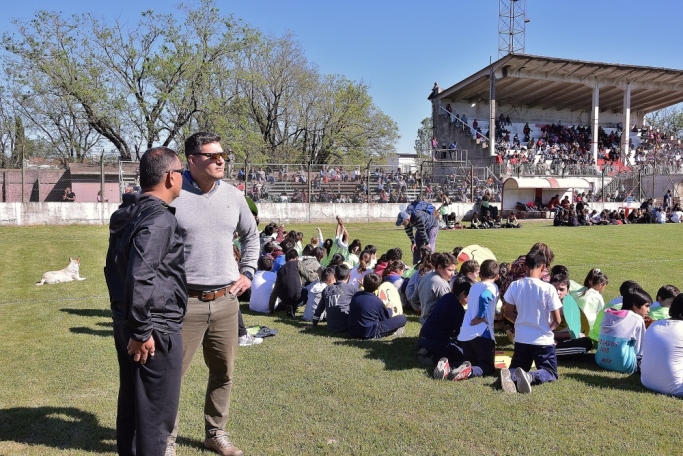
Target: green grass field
(309,393)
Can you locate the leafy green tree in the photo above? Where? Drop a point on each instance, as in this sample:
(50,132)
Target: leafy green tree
(423,142)
(669,121)
(135,86)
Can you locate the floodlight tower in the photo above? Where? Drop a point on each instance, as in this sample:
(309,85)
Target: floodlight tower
(512,22)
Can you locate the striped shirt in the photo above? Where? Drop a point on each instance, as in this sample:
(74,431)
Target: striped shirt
(421,223)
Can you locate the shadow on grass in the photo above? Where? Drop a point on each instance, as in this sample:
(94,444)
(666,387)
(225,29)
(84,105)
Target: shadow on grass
(629,383)
(103,313)
(92,332)
(396,353)
(57,427)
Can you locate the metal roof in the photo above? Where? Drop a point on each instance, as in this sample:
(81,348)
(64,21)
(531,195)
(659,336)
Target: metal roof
(554,83)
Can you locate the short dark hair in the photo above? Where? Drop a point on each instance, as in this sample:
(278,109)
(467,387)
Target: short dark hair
(287,244)
(535,259)
(371,282)
(560,278)
(341,272)
(265,263)
(268,247)
(469,266)
(636,297)
(326,274)
(488,269)
(319,253)
(560,269)
(193,144)
(462,285)
(666,292)
(628,285)
(443,260)
(154,165)
(291,254)
(676,309)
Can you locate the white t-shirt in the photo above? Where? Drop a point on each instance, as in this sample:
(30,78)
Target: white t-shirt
(535,301)
(315,291)
(356,277)
(677,216)
(661,368)
(261,287)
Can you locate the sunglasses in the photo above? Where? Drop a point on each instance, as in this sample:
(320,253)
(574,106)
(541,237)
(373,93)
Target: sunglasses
(214,156)
(179,171)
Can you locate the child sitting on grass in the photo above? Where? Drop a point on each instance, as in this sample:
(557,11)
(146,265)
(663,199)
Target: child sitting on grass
(438,336)
(621,333)
(538,314)
(368,316)
(659,310)
(589,298)
(660,369)
(567,342)
(476,337)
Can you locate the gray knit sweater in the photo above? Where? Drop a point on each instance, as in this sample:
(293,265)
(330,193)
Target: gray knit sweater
(207,222)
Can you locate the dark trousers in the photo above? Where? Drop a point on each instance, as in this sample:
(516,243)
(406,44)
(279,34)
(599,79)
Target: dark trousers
(542,355)
(480,351)
(241,328)
(569,347)
(148,394)
(388,326)
(438,349)
(419,242)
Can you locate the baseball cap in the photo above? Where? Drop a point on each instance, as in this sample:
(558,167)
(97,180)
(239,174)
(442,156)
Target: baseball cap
(402,216)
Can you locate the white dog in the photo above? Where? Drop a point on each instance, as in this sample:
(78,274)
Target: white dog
(67,274)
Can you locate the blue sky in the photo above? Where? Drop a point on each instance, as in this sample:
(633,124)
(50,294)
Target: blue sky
(401,47)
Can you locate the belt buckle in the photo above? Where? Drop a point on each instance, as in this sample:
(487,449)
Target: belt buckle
(205,294)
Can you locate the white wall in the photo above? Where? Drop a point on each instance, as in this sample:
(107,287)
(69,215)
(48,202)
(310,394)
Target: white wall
(27,214)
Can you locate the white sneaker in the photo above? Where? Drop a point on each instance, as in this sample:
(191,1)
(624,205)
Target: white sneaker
(248,339)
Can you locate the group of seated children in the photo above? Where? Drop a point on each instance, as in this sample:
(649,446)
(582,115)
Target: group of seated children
(334,283)
(552,315)
(486,221)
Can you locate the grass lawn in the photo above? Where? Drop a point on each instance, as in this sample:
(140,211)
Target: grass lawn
(309,393)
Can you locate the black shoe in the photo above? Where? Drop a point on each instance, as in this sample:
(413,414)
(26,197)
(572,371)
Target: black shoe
(290,311)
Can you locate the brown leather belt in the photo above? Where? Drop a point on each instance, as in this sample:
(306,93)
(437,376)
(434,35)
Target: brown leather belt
(210,295)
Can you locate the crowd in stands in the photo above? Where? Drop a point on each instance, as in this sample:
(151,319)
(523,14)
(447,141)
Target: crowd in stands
(657,152)
(461,303)
(393,186)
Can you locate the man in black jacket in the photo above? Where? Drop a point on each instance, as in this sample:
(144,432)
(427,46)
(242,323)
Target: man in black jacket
(145,275)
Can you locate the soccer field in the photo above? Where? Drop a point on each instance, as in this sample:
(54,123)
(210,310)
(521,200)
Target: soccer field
(307,392)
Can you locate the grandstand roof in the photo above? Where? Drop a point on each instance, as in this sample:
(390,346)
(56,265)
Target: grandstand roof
(554,83)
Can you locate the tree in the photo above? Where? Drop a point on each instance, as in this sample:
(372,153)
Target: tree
(669,121)
(81,80)
(423,142)
(134,86)
(302,115)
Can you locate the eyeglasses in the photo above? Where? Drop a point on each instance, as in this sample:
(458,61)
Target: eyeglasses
(179,171)
(214,156)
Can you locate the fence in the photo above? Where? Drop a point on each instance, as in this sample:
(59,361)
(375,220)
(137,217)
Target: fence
(310,183)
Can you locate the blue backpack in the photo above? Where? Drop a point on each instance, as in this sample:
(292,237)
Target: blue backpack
(423,206)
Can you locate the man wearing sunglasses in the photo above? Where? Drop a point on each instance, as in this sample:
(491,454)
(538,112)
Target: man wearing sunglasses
(209,212)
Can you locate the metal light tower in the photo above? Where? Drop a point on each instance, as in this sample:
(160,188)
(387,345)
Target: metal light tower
(511,26)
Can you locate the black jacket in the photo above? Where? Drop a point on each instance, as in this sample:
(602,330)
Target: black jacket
(144,268)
